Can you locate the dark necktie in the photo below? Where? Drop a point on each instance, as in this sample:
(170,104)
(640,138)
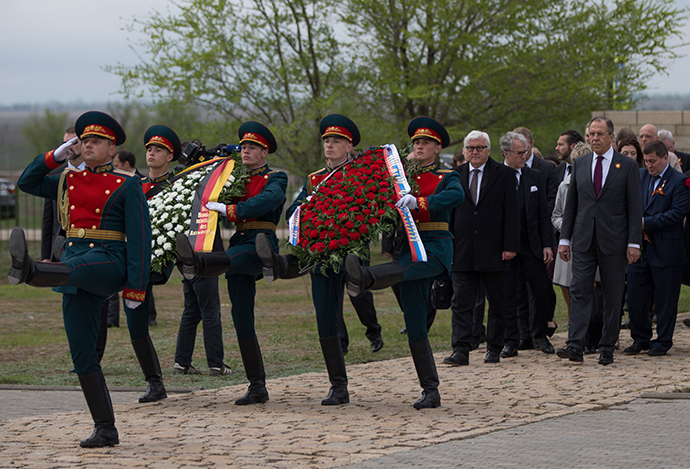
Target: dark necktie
(598,175)
(473,185)
(517,177)
(568,169)
(652,183)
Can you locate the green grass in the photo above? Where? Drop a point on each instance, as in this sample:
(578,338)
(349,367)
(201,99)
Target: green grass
(34,350)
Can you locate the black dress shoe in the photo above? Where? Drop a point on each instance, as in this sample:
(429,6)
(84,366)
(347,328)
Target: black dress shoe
(635,348)
(656,352)
(376,344)
(571,353)
(509,351)
(525,344)
(429,400)
(590,349)
(544,345)
(457,358)
(337,396)
(686,321)
(103,435)
(606,358)
(492,356)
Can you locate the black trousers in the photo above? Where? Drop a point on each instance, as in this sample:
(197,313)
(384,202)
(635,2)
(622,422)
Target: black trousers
(465,287)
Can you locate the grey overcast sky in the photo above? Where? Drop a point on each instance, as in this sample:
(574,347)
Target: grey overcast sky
(55,50)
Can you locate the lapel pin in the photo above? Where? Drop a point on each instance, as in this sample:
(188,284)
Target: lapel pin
(618,166)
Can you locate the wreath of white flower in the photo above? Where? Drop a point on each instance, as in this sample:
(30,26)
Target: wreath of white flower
(170,209)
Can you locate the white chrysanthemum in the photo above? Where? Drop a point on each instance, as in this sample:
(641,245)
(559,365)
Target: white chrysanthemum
(161,239)
(155,231)
(171,234)
(167,246)
(158,252)
(168,226)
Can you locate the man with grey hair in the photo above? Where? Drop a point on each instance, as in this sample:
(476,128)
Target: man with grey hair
(486,231)
(536,250)
(602,225)
(683,158)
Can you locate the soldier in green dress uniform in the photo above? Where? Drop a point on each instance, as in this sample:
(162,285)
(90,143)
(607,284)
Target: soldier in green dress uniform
(339,136)
(439,191)
(108,248)
(258,211)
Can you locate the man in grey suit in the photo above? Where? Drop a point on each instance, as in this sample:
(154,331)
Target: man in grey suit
(602,226)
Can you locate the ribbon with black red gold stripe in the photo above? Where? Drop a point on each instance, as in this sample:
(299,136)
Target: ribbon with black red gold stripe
(402,187)
(204,222)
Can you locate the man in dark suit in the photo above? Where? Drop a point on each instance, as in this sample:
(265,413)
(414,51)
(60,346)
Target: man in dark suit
(551,182)
(486,230)
(547,168)
(658,272)
(602,226)
(564,146)
(536,250)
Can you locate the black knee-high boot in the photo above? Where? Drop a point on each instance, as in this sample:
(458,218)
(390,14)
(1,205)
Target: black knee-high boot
(26,270)
(98,399)
(200,264)
(375,277)
(275,265)
(426,371)
(335,364)
(254,367)
(148,360)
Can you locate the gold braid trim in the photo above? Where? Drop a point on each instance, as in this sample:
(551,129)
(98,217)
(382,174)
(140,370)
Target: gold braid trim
(63,201)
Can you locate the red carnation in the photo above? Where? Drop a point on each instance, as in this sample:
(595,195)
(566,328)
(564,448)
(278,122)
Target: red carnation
(349,224)
(343,242)
(364,229)
(333,244)
(373,221)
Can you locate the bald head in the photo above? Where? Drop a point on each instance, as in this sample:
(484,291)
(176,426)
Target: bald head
(648,133)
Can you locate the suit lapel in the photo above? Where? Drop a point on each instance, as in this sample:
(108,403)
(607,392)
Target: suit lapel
(490,175)
(584,164)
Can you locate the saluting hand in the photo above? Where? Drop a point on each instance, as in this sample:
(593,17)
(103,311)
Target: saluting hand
(408,201)
(64,150)
(218,207)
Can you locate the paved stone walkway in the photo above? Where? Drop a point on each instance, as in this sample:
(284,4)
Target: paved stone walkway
(204,428)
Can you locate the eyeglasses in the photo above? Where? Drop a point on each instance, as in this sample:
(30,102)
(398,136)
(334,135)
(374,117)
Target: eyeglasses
(477,148)
(519,153)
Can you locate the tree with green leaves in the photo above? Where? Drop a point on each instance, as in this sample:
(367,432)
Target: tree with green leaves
(497,64)
(274,61)
(484,64)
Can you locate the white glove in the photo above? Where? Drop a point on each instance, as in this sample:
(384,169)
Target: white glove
(64,150)
(309,198)
(132,304)
(218,207)
(408,201)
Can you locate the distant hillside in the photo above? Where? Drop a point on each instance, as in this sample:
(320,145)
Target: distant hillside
(664,102)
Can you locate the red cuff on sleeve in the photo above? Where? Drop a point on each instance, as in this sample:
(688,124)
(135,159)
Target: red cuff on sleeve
(232,213)
(135,295)
(50,161)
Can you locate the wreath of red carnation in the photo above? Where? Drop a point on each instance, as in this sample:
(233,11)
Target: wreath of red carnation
(347,212)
